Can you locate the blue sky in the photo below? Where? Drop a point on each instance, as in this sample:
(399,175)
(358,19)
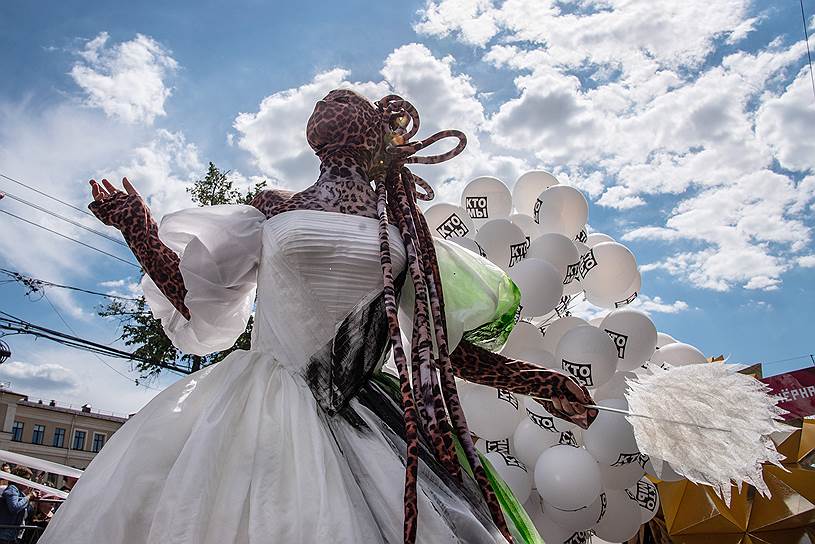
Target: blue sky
(688,128)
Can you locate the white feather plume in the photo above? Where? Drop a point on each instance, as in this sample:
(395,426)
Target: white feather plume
(706,395)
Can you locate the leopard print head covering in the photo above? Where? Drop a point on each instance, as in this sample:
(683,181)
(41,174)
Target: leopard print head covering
(345,120)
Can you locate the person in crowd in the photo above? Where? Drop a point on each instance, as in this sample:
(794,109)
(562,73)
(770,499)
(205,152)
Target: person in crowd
(15,506)
(3,482)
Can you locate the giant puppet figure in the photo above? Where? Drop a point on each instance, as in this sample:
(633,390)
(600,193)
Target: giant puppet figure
(293,441)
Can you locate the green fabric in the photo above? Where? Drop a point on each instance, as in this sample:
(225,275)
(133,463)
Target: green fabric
(520,525)
(481,302)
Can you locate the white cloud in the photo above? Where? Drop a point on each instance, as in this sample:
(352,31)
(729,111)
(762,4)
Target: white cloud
(650,305)
(619,32)
(161,169)
(656,305)
(742,30)
(749,225)
(806,261)
(78,378)
(552,118)
(26,376)
(125,80)
(621,90)
(273,135)
(785,124)
(473,20)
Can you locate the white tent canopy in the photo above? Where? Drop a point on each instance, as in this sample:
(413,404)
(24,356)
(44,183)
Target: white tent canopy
(39,464)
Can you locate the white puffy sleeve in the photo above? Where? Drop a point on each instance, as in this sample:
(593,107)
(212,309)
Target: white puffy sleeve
(220,249)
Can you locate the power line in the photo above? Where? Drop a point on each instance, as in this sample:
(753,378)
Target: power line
(809,55)
(72,239)
(16,325)
(66,219)
(18,182)
(70,328)
(28,280)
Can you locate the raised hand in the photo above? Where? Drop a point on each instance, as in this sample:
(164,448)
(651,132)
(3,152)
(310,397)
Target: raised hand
(569,399)
(107,190)
(115,207)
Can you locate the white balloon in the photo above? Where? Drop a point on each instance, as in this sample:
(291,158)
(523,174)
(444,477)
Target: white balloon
(469,243)
(597,237)
(567,477)
(678,354)
(531,439)
(503,242)
(588,354)
(492,414)
(541,417)
(563,255)
(513,472)
(486,198)
(579,519)
(663,339)
(562,209)
(610,439)
(606,273)
(595,321)
(555,249)
(449,221)
(540,283)
(525,343)
(621,520)
(621,477)
(646,495)
(525,222)
(615,388)
(528,187)
(630,294)
(556,329)
(552,533)
(633,334)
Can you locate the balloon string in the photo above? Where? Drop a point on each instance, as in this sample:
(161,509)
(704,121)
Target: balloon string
(632,414)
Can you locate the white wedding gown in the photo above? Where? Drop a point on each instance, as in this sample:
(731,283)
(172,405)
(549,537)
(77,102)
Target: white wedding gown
(241,452)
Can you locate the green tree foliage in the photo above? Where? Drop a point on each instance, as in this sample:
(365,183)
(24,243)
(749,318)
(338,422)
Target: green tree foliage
(141,332)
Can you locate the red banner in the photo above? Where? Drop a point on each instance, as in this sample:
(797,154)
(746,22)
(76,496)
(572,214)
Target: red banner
(798,391)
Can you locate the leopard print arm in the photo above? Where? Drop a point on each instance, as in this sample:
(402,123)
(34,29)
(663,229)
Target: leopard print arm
(131,216)
(484,367)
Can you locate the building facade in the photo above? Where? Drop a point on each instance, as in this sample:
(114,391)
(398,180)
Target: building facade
(55,433)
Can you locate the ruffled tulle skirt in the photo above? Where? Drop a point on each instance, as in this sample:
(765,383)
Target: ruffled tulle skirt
(240,453)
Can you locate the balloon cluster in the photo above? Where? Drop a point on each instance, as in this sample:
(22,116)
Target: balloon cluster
(573,483)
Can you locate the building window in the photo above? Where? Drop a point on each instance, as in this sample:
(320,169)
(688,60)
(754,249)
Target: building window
(59,438)
(17,431)
(98,441)
(79,440)
(38,435)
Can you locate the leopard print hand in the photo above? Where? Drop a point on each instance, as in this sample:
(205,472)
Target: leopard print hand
(478,365)
(123,211)
(130,214)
